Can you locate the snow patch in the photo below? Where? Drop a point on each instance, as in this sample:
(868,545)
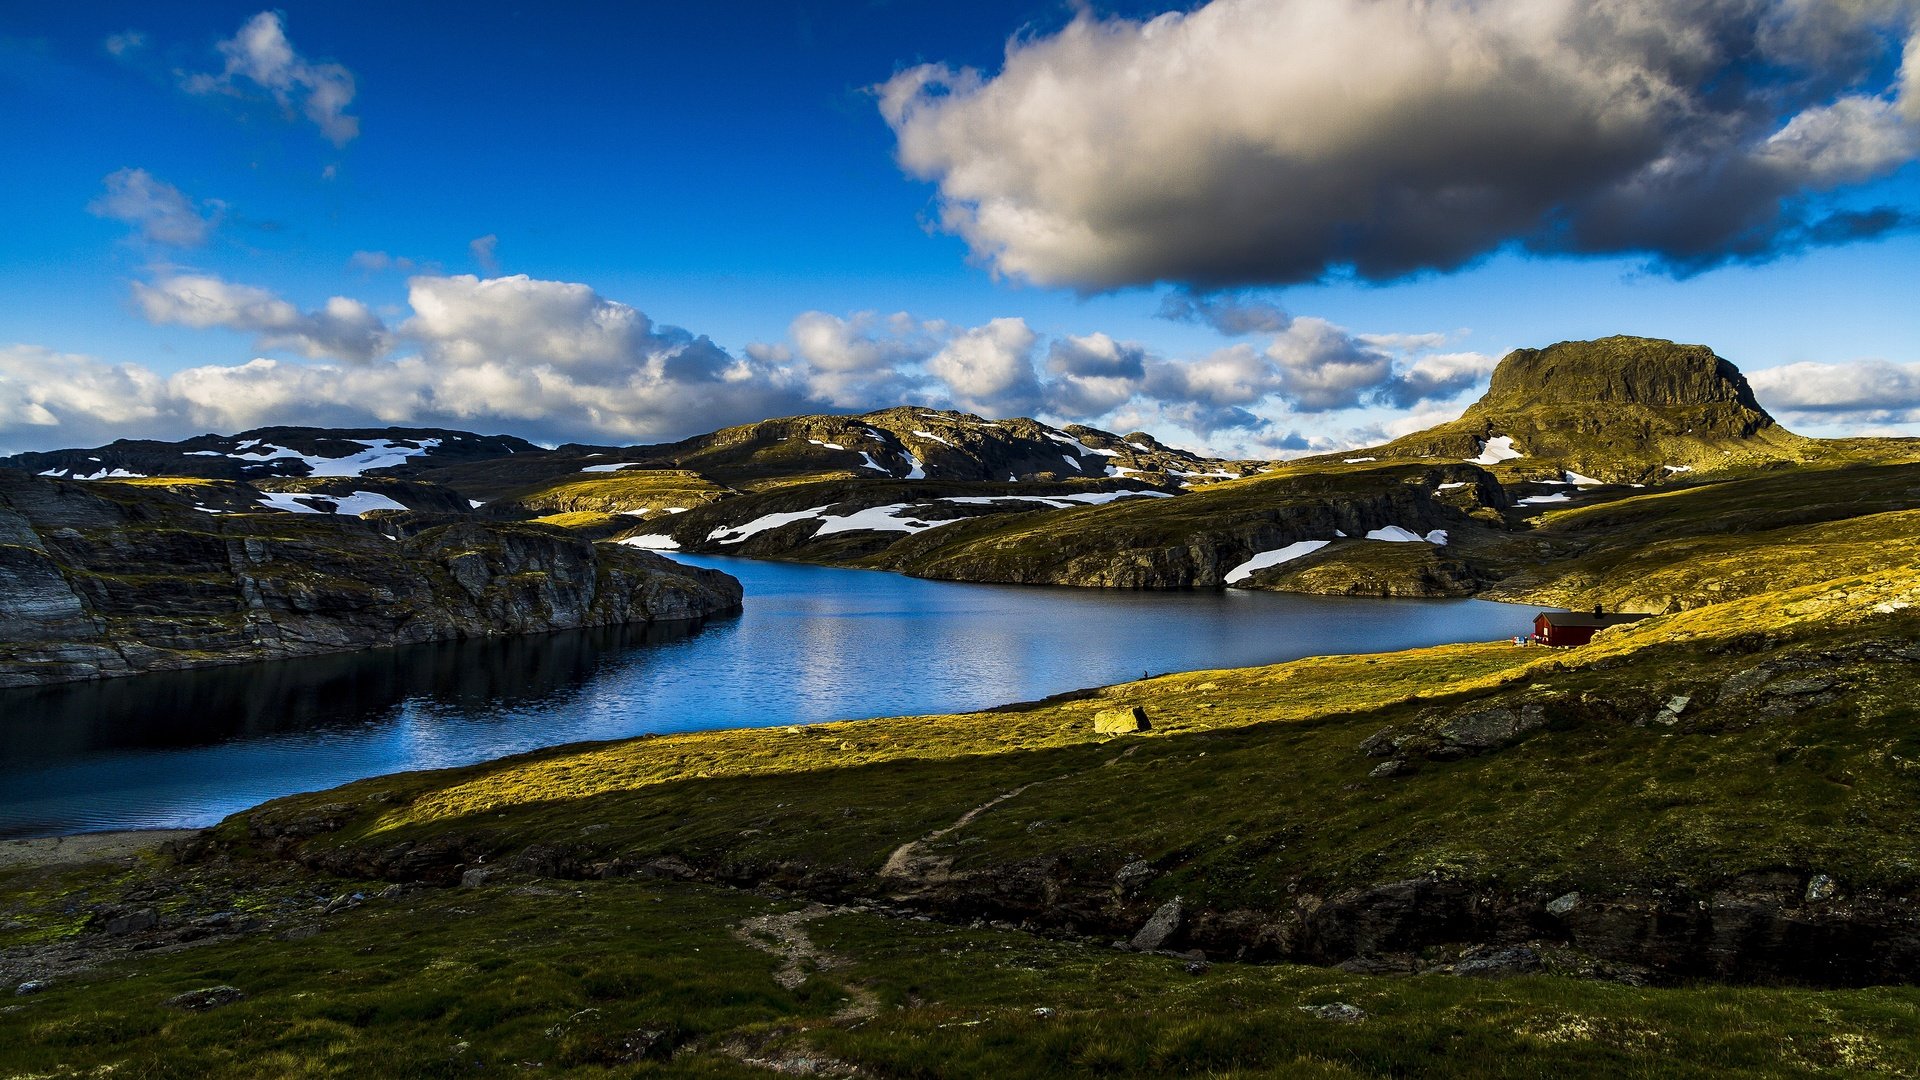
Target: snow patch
(1273,558)
(653,542)
(866,460)
(916,470)
(1496,450)
(288,501)
(1079,447)
(1358,460)
(733,534)
(106,474)
(1396,534)
(301,502)
(1072,463)
(935,438)
(1578,480)
(1678,468)
(1537,500)
(613,467)
(1453,485)
(828,445)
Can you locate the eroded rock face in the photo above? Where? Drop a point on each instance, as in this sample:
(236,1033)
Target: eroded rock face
(101,582)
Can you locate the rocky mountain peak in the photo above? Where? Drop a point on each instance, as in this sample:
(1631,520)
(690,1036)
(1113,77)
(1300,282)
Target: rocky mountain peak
(1619,370)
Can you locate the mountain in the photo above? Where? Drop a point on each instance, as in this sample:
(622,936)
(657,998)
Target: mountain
(1520,498)
(109,579)
(1619,409)
(271,452)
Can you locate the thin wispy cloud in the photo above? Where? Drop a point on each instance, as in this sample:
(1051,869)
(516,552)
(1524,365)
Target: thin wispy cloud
(160,212)
(260,58)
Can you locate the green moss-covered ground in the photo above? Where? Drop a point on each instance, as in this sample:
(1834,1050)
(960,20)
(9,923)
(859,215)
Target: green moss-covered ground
(637,978)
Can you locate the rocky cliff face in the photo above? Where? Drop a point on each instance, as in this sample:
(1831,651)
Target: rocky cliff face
(112,580)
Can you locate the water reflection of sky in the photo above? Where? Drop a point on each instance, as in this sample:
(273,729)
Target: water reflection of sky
(185,749)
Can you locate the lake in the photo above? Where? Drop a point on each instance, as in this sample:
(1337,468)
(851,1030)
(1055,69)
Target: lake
(184,749)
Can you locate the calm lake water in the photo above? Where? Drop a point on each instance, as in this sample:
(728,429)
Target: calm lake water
(184,749)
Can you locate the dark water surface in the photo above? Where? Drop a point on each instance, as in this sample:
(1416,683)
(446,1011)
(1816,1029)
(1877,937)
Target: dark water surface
(184,749)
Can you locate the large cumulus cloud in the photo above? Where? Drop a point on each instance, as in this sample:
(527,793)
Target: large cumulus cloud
(1275,141)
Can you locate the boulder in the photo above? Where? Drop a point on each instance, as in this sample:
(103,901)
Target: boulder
(207,997)
(1121,721)
(1160,926)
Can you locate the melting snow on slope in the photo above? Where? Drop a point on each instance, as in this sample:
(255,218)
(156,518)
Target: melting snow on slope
(932,436)
(1453,485)
(866,459)
(1577,480)
(1081,448)
(1398,535)
(1274,558)
(916,470)
(1496,450)
(828,445)
(733,534)
(651,543)
(898,517)
(1072,463)
(103,474)
(1358,460)
(379,454)
(360,502)
(1678,468)
(1536,500)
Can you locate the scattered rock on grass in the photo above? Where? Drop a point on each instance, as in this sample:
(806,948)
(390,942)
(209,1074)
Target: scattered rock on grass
(1339,1012)
(207,997)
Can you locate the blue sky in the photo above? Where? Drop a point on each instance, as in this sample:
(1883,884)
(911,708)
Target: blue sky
(727,169)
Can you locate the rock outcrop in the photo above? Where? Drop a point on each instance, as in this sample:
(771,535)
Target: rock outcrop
(102,580)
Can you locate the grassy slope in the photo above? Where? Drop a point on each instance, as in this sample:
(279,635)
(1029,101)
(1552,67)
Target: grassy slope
(1704,543)
(643,979)
(566,974)
(1593,802)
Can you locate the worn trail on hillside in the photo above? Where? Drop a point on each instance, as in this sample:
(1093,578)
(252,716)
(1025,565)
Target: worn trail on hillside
(784,935)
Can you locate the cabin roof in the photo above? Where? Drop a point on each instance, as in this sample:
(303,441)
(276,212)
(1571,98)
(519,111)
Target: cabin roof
(1587,618)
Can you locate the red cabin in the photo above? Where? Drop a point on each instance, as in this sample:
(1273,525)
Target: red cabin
(1565,629)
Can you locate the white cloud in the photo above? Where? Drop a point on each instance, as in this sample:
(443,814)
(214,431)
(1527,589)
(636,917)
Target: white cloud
(41,388)
(373,262)
(1276,141)
(261,54)
(486,252)
(162,212)
(125,42)
(1865,394)
(342,327)
(989,369)
(557,360)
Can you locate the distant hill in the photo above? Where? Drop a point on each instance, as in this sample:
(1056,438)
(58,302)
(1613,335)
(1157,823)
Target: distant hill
(271,452)
(1619,409)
